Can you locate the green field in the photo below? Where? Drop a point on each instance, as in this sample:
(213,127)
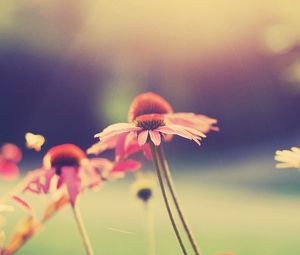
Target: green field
(249,208)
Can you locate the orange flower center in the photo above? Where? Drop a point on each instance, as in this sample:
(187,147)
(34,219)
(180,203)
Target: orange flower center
(149,121)
(63,155)
(148,103)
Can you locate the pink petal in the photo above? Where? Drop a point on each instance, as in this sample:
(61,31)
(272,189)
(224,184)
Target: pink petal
(22,202)
(72,180)
(147,151)
(103,145)
(117,129)
(170,130)
(117,126)
(120,147)
(155,137)
(132,149)
(197,121)
(131,144)
(90,177)
(100,163)
(142,137)
(193,131)
(48,178)
(179,130)
(33,180)
(8,170)
(60,182)
(128,165)
(35,186)
(33,189)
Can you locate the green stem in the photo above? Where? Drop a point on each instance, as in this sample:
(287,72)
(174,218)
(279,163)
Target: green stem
(82,231)
(164,194)
(171,186)
(150,230)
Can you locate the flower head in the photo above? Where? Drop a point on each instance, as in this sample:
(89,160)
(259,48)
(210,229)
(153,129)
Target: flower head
(10,156)
(143,187)
(66,155)
(288,158)
(151,118)
(34,141)
(68,164)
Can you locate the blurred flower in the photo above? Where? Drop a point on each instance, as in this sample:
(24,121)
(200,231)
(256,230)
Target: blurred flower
(69,165)
(143,187)
(288,158)
(150,118)
(26,228)
(10,155)
(34,141)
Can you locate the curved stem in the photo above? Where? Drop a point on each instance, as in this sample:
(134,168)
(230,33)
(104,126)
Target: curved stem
(164,194)
(171,186)
(82,231)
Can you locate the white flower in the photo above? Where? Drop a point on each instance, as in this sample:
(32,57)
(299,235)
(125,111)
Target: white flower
(34,141)
(288,158)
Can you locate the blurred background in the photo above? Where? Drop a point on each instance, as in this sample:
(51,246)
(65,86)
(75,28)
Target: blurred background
(70,68)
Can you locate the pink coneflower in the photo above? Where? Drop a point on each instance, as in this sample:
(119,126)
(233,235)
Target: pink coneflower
(151,103)
(69,165)
(10,156)
(150,127)
(151,120)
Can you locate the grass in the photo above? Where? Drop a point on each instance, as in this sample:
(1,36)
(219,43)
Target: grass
(250,209)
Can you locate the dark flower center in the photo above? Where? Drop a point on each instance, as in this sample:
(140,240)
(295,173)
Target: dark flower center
(64,155)
(150,121)
(148,103)
(144,194)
